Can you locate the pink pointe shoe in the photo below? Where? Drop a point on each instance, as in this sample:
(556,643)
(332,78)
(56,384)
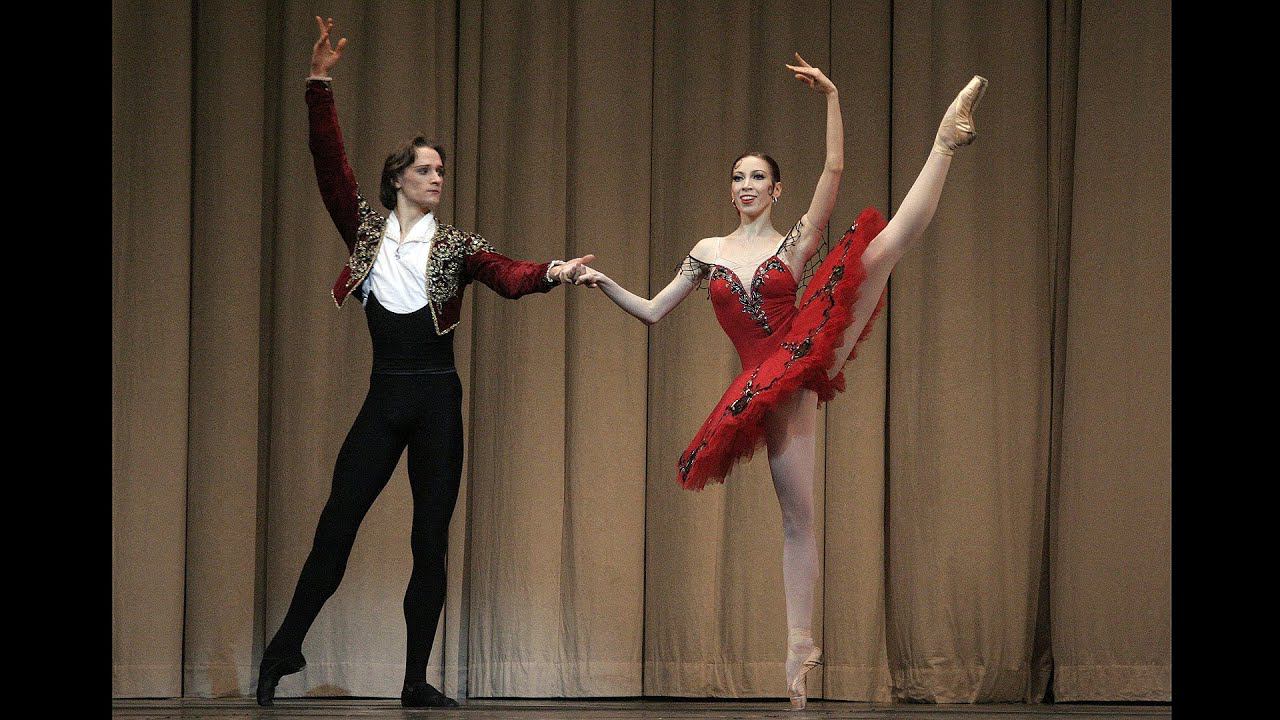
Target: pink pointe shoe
(796,686)
(957,127)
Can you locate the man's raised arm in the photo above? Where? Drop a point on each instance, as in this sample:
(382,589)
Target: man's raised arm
(337,182)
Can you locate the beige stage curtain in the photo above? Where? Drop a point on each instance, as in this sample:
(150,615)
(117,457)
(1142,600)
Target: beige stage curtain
(987,532)
(226,424)
(557,506)
(1111,535)
(853,585)
(969,361)
(151,238)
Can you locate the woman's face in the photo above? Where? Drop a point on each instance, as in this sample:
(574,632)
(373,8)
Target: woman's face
(423,181)
(753,189)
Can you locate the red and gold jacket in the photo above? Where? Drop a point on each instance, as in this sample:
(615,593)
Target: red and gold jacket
(456,257)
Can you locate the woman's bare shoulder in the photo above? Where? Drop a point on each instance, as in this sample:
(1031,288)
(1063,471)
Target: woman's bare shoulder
(705,249)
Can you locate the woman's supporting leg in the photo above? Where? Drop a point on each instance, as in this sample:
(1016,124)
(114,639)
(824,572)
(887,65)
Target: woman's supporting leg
(435,473)
(790,435)
(365,463)
(913,216)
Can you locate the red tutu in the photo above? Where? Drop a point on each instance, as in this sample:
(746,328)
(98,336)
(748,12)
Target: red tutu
(799,358)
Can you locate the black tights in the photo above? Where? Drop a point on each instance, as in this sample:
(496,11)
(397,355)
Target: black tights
(423,412)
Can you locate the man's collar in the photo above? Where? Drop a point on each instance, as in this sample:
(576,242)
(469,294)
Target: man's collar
(422,230)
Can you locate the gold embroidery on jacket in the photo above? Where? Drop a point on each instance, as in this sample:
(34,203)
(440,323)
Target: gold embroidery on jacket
(446,268)
(368,240)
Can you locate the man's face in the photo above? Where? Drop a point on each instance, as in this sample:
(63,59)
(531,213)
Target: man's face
(423,181)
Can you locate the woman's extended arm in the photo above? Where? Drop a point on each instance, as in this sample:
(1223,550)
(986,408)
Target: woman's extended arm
(650,311)
(803,239)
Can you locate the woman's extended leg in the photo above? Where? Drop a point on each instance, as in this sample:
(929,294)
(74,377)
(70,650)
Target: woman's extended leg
(913,216)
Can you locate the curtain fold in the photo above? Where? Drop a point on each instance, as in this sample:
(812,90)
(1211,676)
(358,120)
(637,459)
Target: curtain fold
(518,378)
(1111,554)
(969,359)
(855,662)
(1064,53)
(226,440)
(608,183)
(151,153)
(992,491)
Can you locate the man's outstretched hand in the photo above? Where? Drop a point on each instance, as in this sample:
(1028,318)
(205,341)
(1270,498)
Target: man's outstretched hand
(572,269)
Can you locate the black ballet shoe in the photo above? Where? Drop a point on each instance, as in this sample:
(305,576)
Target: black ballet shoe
(270,672)
(420,694)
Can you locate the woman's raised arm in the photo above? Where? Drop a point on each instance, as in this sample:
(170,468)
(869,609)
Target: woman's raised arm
(803,239)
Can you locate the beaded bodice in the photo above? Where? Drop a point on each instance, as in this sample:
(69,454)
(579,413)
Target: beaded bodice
(757,313)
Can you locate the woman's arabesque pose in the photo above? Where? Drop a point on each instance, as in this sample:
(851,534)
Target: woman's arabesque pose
(792,356)
(410,272)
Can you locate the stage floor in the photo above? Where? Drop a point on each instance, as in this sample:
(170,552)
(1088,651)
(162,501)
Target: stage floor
(243,709)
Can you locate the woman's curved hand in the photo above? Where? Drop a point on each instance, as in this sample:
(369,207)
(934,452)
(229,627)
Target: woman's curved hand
(812,76)
(324,56)
(589,277)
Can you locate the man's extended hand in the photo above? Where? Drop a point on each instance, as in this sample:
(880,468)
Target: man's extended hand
(569,271)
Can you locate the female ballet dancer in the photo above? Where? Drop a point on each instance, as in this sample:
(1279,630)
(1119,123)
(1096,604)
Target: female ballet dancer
(792,356)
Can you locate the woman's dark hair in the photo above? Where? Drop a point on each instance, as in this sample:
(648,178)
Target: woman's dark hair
(397,161)
(773,164)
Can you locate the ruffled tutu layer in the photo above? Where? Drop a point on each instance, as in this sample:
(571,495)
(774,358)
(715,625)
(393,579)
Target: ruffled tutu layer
(735,429)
